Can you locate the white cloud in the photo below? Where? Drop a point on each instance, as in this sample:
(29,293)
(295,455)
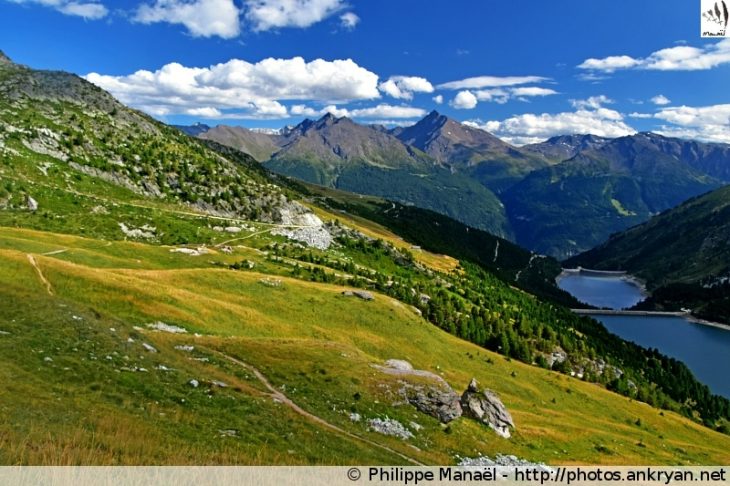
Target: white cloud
(464,100)
(532,91)
(275,14)
(609,64)
(303,110)
(239,85)
(589,117)
(438,99)
(660,100)
(91,10)
(498,95)
(388,111)
(708,123)
(490,82)
(640,115)
(349,20)
(678,58)
(205,112)
(202,18)
(380,111)
(403,87)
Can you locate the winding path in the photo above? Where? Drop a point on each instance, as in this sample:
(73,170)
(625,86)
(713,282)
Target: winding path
(42,277)
(279,396)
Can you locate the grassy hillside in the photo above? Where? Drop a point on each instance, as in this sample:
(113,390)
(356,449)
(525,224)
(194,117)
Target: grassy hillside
(99,397)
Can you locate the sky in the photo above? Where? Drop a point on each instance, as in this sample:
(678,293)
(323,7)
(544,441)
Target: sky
(524,71)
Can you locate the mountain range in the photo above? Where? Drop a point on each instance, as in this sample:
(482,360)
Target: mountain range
(559,197)
(339,153)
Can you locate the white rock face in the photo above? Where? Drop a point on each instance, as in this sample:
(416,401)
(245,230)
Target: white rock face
(32,203)
(161,326)
(191,251)
(399,364)
(149,347)
(145,231)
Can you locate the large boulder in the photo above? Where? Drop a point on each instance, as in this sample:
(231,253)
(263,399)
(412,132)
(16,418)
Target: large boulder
(438,401)
(486,407)
(426,391)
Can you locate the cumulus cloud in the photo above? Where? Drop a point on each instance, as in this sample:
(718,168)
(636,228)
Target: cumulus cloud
(708,123)
(257,89)
(590,116)
(677,58)
(349,20)
(438,99)
(660,100)
(609,64)
(382,110)
(91,10)
(276,14)
(202,18)
(464,100)
(403,87)
(498,95)
(490,82)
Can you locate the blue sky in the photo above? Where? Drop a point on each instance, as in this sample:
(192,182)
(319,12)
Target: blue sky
(522,70)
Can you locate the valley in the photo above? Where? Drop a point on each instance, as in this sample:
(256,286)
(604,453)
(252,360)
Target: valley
(166,299)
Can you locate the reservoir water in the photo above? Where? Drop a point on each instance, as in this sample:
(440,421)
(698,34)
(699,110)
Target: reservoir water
(603,291)
(704,349)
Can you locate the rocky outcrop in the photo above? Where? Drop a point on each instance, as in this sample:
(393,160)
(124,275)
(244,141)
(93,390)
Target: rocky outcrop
(485,406)
(303,226)
(388,426)
(362,294)
(428,392)
(500,460)
(438,401)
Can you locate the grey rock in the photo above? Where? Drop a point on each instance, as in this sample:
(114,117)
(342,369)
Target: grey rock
(364,295)
(194,383)
(438,401)
(389,426)
(486,407)
(399,364)
(499,460)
